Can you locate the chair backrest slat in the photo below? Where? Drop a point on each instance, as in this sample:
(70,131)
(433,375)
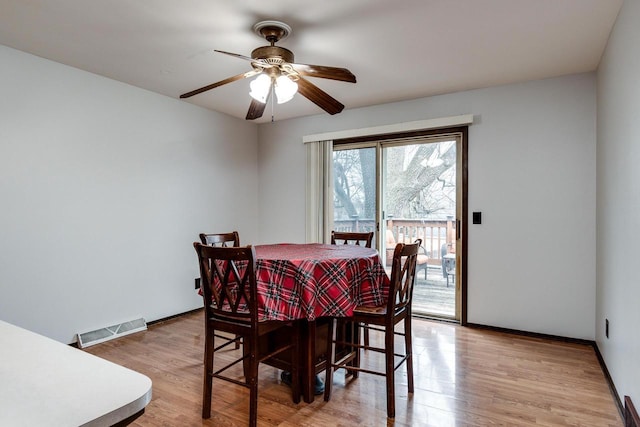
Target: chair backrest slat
(351,238)
(220,239)
(228,281)
(403,274)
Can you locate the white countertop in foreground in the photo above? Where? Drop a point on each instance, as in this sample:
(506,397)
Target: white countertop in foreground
(47,383)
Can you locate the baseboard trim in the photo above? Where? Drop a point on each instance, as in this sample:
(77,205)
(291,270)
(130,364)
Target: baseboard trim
(532,334)
(612,386)
(435,318)
(164,319)
(603,365)
(631,418)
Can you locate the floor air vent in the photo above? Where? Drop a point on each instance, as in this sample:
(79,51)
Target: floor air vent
(111,332)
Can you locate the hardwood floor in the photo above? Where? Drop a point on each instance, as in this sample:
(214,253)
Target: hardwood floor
(463,377)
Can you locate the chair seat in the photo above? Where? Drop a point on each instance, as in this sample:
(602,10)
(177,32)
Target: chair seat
(368,314)
(237,324)
(241,313)
(381,311)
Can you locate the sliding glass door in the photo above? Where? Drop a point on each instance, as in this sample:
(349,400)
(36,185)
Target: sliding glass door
(406,189)
(419,202)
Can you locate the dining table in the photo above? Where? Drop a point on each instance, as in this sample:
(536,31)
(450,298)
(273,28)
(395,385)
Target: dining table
(313,283)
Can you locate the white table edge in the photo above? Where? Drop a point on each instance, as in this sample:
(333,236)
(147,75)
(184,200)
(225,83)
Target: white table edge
(43,380)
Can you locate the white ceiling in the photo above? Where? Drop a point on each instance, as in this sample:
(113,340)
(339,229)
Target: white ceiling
(398,50)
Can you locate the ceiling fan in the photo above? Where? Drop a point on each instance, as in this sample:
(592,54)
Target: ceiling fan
(278,73)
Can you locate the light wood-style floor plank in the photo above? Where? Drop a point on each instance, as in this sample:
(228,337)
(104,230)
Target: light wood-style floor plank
(463,377)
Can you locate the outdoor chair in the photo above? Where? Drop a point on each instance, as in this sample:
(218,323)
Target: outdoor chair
(448,265)
(421,260)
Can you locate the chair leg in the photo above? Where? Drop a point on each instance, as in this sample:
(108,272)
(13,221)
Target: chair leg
(408,348)
(252,380)
(355,338)
(331,355)
(366,336)
(253,404)
(390,372)
(208,370)
(295,362)
(246,363)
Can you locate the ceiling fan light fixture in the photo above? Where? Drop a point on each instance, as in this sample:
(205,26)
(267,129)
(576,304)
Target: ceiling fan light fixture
(285,89)
(277,72)
(260,88)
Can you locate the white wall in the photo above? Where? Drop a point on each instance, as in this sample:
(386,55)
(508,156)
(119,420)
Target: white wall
(531,264)
(104,187)
(618,213)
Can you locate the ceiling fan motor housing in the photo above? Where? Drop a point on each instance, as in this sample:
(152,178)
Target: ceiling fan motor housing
(273,52)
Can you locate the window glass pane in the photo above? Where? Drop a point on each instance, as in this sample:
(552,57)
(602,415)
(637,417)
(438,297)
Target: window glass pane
(354,202)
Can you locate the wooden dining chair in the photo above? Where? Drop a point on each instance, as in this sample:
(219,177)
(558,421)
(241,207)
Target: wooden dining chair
(351,238)
(354,238)
(384,318)
(228,277)
(223,240)
(220,239)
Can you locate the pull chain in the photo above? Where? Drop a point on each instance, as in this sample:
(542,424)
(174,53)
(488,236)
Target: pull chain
(272,95)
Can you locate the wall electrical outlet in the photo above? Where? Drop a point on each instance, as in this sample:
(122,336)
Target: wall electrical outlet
(197,283)
(606,328)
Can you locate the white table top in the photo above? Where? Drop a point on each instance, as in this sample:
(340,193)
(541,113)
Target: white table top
(47,383)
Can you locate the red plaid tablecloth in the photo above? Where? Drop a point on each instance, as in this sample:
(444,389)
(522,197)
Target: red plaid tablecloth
(307,281)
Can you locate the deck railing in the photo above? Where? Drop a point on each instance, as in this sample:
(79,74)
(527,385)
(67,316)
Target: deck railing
(434,233)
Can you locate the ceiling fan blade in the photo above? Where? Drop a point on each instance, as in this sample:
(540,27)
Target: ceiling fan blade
(324,72)
(262,63)
(214,85)
(237,55)
(319,97)
(256,109)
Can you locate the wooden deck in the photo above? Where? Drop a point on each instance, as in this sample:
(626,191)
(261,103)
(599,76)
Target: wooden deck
(432,297)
